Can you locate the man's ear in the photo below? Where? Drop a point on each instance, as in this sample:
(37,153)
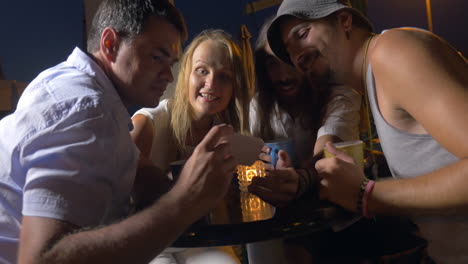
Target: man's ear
(109,44)
(345,20)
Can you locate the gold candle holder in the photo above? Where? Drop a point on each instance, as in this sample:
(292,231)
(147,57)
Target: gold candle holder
(254,208)
(246,173)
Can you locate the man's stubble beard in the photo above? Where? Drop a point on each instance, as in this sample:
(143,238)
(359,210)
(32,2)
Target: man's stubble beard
(324,80)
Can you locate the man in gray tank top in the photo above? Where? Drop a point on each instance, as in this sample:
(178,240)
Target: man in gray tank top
(417,87)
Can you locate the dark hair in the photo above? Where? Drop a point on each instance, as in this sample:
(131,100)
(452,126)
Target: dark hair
(311,100)
(129,18)
(358,21)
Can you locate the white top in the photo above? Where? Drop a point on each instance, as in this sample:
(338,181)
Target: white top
(342,115)
(66,152)
(164,149)
(341,119)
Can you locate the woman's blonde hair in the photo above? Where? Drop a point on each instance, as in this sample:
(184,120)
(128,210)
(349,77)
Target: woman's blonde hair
(236,114)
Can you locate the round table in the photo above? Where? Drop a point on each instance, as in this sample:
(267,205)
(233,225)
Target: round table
(244,218)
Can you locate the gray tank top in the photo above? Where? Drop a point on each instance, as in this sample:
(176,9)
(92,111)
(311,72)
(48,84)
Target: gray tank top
(410,155)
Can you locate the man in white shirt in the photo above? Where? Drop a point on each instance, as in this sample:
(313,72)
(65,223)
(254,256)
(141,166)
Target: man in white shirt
(68,163)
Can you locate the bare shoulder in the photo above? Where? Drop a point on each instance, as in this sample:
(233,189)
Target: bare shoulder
(415,52)
(421,78)
(142,133)
(409,33)
(409,44)
(140,123)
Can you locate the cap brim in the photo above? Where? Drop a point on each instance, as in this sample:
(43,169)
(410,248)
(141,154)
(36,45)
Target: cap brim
(275,40)
(274,31)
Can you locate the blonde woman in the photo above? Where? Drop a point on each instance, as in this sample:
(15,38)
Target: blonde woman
(211,89)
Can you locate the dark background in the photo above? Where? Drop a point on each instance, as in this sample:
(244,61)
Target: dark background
(36,35)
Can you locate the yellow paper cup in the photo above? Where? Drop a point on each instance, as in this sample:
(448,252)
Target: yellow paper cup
(352,148)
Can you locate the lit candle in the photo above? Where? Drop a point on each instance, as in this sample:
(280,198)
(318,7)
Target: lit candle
(246,173)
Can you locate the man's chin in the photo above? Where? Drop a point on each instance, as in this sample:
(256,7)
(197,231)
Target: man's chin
(319,78)
(288,94)
(152,101)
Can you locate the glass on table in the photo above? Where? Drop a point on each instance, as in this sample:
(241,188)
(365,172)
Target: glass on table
(246,173)
(255,209)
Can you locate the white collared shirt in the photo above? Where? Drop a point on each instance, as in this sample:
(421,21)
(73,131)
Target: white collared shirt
(66,152)
(342,115)
(341,119)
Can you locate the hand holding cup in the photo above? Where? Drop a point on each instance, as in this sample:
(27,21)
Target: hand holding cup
(340,177)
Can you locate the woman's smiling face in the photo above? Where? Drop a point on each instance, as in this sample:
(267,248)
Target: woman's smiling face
(211,79)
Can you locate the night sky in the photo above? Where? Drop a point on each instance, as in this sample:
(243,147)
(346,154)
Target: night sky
(40,34)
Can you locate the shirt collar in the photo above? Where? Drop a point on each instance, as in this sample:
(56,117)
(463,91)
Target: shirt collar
(85,63)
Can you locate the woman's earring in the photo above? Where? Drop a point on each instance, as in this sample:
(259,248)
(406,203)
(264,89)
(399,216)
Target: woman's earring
(347,35)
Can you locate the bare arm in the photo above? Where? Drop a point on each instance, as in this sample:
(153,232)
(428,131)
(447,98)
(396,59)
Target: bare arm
(137,239)
(429,81)
(322,140)
(417,74)
(340,121)
(142,134)
(150,182)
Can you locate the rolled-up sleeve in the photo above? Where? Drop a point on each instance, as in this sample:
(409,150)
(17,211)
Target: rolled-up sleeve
(342,115)
(66,164)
